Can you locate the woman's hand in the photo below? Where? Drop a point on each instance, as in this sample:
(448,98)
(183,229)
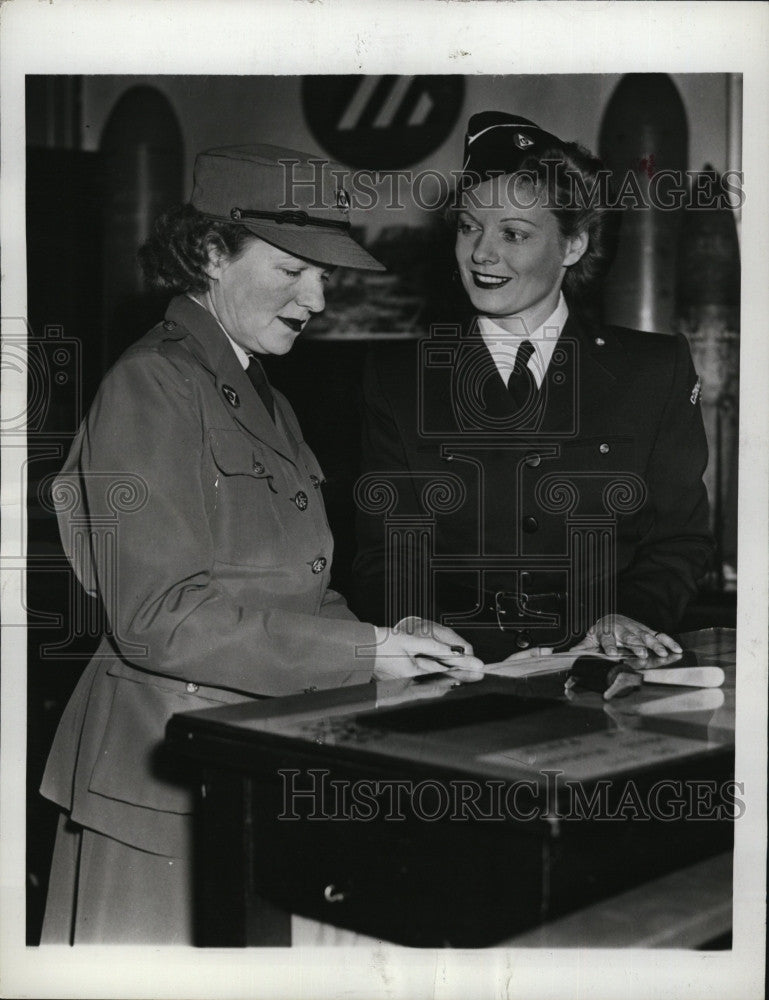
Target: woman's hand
(613,631)
(427,627)
(419,646)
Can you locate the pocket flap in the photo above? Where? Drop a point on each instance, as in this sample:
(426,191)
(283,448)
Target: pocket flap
(607,452)
(134,764)
(236,455)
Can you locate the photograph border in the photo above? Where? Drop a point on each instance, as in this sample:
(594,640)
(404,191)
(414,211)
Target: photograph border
(226,38)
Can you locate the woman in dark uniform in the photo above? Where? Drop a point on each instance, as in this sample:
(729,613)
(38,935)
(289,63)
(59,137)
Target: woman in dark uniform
(191,504)
(574,450)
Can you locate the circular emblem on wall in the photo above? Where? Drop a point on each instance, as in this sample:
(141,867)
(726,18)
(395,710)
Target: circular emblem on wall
(381,122)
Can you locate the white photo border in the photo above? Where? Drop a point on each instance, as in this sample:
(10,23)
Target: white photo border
(313,36)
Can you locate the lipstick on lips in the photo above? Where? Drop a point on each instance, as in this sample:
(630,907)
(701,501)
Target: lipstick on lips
(488,281)
(294,324)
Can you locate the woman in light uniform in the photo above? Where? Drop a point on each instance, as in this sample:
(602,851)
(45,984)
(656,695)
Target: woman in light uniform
(216,588)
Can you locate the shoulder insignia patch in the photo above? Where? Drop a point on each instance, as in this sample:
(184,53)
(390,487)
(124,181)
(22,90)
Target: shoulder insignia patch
(695,392)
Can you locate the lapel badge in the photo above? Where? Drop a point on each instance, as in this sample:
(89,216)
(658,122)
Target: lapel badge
(230,395)
(522,141)
(695,391)
(342,199)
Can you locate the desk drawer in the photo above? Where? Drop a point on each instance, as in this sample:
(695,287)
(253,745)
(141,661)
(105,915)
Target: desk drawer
(451,882)
(423,885)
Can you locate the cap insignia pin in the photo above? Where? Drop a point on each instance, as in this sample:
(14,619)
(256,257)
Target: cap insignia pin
(522,141)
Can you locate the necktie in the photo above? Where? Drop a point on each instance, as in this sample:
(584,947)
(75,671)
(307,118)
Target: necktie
(259,381)
(522,385)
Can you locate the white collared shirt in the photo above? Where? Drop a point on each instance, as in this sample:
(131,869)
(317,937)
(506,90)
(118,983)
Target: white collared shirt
(503,344)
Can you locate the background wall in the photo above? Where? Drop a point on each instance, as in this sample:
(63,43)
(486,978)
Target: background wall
(218,111)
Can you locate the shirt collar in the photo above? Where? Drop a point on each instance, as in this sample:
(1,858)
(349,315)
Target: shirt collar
(503,344)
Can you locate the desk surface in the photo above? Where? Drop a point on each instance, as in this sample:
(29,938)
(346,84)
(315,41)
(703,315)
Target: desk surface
(508,728)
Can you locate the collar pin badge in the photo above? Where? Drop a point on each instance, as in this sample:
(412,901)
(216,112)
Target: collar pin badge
(342,199)
(230,395)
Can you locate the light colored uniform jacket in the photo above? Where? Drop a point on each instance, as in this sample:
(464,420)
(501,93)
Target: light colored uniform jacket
(201,525)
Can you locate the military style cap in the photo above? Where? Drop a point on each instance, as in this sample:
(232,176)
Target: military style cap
(288,198)
(497,143)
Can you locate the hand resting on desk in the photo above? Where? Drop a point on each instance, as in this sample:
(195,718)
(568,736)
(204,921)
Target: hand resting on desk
(418,646)
(431,684)
(612,632)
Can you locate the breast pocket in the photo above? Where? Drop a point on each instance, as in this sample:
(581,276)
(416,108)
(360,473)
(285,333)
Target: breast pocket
(595,476)
(250,491)
(607,453)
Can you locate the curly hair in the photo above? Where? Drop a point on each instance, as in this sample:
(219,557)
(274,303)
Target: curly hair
(577,193)
(575,187)
(174,257)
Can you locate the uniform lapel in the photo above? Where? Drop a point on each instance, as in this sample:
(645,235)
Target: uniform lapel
(478,388)
(238,396)
(285,413)
(594,369)
(589,367)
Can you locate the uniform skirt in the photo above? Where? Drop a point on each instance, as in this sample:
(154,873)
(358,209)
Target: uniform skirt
(102,891)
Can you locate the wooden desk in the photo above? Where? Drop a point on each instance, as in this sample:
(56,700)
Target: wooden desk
(497,813)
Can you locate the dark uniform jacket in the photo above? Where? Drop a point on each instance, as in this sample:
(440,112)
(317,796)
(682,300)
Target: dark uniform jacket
(589,499)
(201,525)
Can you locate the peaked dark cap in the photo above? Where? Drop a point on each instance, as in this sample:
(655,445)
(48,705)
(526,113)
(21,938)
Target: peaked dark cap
(290,199)
(497,143)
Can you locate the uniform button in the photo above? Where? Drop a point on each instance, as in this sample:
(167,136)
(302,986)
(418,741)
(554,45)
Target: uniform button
(523,640)
(301,500)
(258,467)
(530,524)
(600,341)
(318,565)
(169,325)
(315,482)
(604,449)
(191,688)
(533,459)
